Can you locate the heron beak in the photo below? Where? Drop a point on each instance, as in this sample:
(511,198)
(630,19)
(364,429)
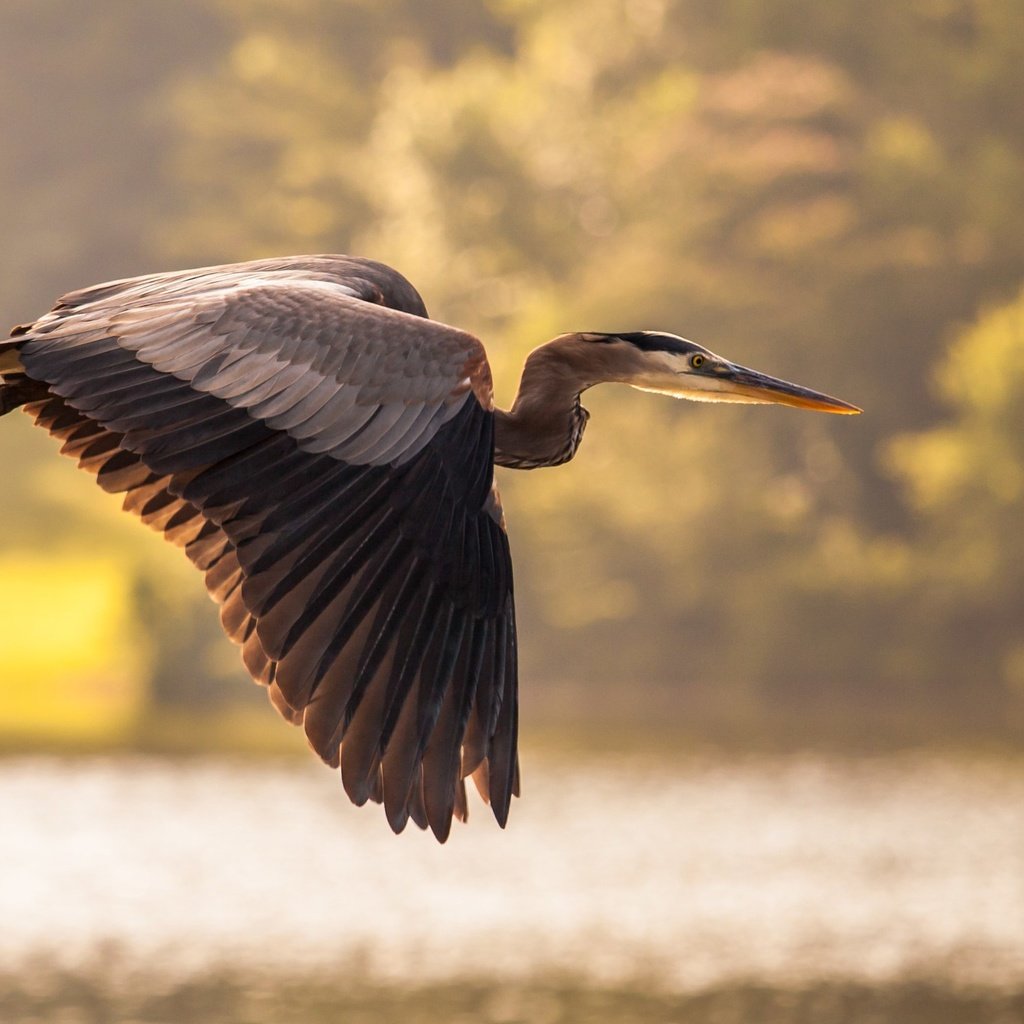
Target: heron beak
(752,386)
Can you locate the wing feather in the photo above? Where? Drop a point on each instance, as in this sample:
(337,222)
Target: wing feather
(312,442)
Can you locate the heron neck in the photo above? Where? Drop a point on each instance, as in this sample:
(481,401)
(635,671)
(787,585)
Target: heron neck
(545,425)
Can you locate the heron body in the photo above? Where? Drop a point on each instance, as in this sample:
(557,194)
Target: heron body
(324,454)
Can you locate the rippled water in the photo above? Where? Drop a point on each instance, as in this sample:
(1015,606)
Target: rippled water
(780,872)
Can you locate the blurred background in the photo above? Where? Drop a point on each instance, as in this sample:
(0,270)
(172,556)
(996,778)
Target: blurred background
(772,663)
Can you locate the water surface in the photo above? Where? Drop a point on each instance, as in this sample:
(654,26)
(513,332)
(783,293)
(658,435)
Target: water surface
(780,872)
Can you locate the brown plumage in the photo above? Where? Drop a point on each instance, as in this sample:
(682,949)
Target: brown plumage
(324,454)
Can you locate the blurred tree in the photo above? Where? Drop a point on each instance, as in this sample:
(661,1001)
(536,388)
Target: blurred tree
(81,171)
(819,190)
(611,173)
(788,183)
(275,130)
(85,145)
(83,186)
(966,480)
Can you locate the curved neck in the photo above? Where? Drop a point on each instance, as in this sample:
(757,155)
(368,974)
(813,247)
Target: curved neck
(546,422)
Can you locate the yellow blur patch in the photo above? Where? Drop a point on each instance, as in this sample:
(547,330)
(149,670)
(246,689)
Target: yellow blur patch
(70,668)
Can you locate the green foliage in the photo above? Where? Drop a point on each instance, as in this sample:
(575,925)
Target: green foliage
(823,191)
(965,478)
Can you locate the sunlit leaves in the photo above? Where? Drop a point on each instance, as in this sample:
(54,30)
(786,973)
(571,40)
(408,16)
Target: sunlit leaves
(966,478)
(782,184)
(821,190)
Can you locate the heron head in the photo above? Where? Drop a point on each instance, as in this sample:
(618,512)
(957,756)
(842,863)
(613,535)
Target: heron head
(671,365)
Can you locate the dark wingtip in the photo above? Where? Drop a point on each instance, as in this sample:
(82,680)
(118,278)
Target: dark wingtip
(441,829)
(359,787)
(501,804)
(397,819)
(439,810)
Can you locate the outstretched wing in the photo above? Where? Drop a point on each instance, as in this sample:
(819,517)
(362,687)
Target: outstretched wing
(324,453)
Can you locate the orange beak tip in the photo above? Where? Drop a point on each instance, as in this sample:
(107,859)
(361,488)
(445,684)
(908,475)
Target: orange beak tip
(847,410)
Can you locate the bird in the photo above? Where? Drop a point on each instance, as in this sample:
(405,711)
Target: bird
(324,453)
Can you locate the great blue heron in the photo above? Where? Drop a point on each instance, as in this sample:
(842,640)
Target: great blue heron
(324,453)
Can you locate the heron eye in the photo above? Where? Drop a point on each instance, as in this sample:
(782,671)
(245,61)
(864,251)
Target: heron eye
(697,360)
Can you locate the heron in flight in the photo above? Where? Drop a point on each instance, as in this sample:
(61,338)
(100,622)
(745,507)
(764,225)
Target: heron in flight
(324,453)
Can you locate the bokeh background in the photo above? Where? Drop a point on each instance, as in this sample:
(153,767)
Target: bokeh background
(772,662)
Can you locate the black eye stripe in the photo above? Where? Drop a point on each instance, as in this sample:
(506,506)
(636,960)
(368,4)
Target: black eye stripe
(651,341)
